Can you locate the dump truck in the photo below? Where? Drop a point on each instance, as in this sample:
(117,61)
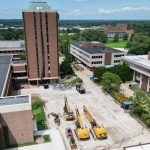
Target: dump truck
(99,131)
(69,115)
(81,131)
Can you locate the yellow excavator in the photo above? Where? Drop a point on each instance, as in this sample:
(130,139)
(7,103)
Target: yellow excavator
(81,131)
(69,115)
(99,131)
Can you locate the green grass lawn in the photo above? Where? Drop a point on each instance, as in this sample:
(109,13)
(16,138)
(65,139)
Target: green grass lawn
(39,114)
(120,44)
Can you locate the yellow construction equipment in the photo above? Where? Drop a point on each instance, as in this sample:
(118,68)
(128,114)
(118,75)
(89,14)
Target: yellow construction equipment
(81,131)
(69,115)
(99,131)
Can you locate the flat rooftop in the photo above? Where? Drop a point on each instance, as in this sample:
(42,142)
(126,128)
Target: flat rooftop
(12,45)
(5,62)
(96,50)
(140,60)
(38,6)
(13,100)
(139,147)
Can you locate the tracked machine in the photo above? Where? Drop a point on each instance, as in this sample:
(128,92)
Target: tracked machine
(99,131)
(82,132)
(69,115)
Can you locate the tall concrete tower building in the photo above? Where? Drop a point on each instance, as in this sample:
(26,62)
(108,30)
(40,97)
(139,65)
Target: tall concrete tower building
(41,41)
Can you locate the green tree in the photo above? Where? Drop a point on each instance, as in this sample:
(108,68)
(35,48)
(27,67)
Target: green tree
(125,37)
(65,68)
(111,82)
(98,73)
(116,38)
(123,71)
(22,55)
(103,37)
(140,44)
(64,41)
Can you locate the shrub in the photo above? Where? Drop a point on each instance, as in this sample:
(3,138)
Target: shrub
(46,138)
(37,104)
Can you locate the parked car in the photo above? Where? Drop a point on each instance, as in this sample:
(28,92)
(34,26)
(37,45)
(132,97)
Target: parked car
(46,86)
(80,89)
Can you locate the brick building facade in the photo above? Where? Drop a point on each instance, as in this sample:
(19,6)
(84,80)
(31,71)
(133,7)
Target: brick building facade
(15,121)
(41,42)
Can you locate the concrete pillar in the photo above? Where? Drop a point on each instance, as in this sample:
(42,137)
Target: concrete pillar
(134,76)
(140,80)
(148,84)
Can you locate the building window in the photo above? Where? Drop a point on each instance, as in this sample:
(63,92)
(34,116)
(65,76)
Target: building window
(36,45)
(119,55)
(117,61)
(97,62)
(95,57)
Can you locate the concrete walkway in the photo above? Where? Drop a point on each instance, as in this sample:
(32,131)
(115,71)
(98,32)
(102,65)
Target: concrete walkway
(125,90)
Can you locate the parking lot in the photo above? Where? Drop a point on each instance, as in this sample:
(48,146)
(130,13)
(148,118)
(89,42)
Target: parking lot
(123,130)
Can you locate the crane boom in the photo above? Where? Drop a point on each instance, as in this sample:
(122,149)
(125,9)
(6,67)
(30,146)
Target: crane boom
(68,112)
(88,115)
(66,104)
(78,117)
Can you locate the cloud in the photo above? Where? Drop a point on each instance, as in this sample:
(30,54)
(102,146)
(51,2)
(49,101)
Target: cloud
(75,12)
(103,11)
(123,10)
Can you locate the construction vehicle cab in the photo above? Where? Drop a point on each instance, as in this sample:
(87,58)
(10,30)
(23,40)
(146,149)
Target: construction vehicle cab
(69,115)
(81,131)
(99,131)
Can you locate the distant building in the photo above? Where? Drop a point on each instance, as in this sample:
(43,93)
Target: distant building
(141,70)
(120,29)
(41,42)
(12,47)
(95,54)
(15,120)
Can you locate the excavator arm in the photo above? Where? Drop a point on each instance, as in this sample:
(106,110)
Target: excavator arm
(69,115)
(99,131)
(81,131)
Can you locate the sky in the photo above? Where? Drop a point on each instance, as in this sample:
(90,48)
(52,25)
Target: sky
(84,9)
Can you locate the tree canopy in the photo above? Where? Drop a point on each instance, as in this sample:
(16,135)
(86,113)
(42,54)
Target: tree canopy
(123,71)
(98,73)
(65,68)
(139,44)
(111,82)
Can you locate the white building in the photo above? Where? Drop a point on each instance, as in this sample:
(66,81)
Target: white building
(141,70)
(95,54)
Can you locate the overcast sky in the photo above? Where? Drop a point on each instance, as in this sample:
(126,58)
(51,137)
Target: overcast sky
(83,9)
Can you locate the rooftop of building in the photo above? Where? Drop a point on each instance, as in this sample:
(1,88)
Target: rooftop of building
(5,62)
(12,45)
(13,100)
(117,28)
(138,147)
(38,6)
(140,60)
(95,48)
